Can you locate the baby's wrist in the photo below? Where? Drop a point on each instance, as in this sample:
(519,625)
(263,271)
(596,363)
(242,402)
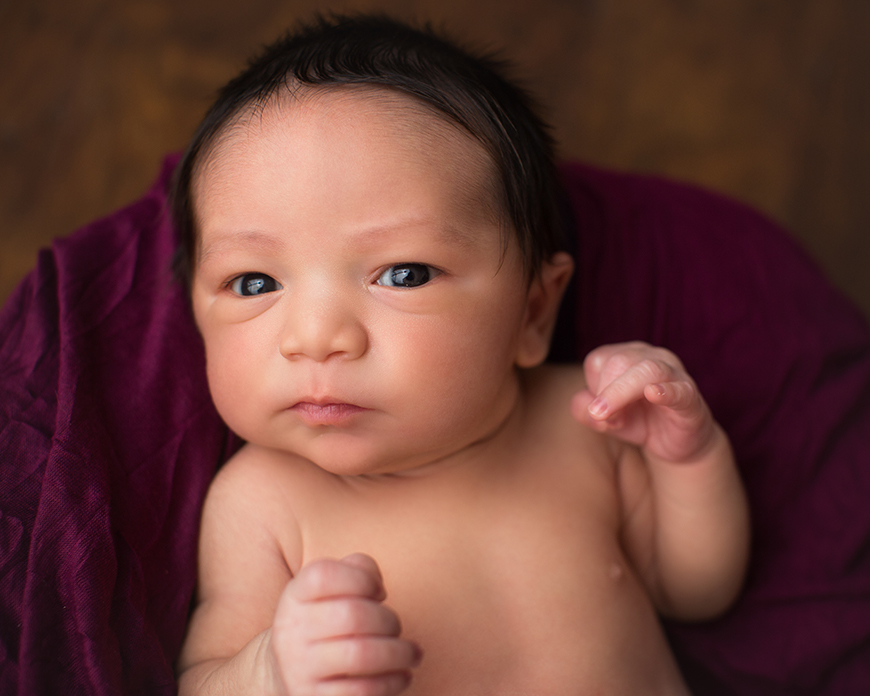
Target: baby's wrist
(267,668)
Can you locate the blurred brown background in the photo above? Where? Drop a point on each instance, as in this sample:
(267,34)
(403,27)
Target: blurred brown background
(767,101)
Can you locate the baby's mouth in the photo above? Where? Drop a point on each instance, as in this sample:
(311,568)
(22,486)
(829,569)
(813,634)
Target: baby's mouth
(328,413)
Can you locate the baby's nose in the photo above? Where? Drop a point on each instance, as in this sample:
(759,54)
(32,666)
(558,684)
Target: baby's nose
(322,330)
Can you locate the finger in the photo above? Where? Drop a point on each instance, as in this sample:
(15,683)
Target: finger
(352,616)
(381,685)
(605,363)
(594,366)
(629,387)
(580,404)
(365,563)
(677,396)
(329,579)
(363,656)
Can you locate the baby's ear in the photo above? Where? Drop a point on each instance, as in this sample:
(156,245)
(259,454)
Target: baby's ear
(542,308)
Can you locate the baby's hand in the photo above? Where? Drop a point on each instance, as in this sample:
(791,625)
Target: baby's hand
(643,395)
(333,635)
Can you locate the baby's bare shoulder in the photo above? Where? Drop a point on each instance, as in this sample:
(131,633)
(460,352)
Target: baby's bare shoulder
(250,498)
(552,386)
(548,391)
(254,472)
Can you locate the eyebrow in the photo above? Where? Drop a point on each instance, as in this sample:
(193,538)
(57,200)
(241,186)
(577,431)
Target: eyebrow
(447,233)
(223,242)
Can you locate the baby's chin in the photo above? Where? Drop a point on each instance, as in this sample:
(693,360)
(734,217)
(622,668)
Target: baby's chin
(374,467)
(345,458)
(362,447)
(345,455)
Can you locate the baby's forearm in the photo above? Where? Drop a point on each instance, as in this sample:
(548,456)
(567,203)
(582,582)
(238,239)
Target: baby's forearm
(247,672)
(702,531)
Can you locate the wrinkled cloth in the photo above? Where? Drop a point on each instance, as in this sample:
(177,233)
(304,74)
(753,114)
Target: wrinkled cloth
(108,438)
(108,441)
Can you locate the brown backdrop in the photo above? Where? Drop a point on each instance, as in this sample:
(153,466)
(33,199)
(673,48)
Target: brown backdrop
(765,100)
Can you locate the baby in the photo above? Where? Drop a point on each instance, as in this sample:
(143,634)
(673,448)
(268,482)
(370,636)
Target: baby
(371,234)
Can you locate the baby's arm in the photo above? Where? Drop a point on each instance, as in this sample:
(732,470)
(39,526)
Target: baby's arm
(257,629)
(686,519)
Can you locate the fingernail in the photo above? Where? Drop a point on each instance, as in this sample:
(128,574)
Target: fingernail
(598,408)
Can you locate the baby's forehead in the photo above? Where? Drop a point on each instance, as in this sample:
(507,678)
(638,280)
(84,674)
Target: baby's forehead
(427,134)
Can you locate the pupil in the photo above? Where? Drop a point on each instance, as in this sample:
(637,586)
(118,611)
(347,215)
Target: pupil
(255,285)
(410,275)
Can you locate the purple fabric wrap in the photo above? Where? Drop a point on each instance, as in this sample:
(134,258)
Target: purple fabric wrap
(108,439)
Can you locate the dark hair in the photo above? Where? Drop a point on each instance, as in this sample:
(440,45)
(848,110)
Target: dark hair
(469,91)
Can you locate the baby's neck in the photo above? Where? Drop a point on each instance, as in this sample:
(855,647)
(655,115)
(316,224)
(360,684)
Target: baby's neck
(474,459)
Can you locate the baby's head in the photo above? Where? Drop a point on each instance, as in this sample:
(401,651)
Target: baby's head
(465,91)
(371,232)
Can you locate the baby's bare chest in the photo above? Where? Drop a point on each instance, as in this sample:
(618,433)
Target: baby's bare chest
(506,586)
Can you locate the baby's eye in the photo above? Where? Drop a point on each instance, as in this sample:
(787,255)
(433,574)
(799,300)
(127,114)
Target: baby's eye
(252,284)
(407,275)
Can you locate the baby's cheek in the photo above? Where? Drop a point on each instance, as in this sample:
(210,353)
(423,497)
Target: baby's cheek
(231,390)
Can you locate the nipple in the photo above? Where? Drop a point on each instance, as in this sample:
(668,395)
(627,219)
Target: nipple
(616,572)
